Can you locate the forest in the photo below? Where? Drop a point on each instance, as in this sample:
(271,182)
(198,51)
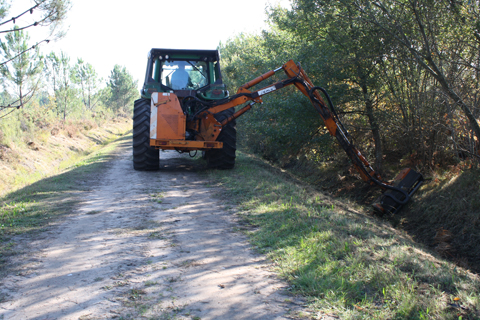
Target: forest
(48,92)
(403,75)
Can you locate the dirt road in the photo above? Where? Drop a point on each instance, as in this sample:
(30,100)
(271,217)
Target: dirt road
(153,245)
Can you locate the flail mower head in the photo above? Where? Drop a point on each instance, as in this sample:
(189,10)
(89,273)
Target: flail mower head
(397,194)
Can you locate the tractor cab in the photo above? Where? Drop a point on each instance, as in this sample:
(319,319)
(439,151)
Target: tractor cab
(187,73)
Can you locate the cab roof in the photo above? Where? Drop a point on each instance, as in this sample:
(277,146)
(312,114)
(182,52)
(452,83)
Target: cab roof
(190,54)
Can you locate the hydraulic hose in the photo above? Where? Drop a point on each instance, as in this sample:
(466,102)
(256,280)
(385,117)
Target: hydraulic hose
(387,186)
(338,122)
(330,104)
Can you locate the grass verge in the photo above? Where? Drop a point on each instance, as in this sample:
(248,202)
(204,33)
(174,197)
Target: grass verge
(31,209)
(24,161)
(446,216)
(346,262)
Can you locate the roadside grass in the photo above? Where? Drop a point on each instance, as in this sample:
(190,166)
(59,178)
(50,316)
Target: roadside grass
(27,159)
(343,260)
(446,216)
(31,209)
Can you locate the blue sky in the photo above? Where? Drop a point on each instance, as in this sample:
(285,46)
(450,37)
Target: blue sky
(106,32)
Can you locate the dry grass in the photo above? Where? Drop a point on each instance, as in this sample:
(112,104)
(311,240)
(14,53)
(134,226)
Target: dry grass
(24,161)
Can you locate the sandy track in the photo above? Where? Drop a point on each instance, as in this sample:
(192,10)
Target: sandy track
(153,245)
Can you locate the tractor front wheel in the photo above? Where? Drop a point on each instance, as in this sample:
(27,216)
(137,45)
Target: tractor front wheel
(145,157)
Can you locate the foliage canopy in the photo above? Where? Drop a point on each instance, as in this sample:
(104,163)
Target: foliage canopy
(403,74)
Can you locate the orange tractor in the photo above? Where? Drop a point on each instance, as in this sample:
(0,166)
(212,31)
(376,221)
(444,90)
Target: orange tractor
(186,107)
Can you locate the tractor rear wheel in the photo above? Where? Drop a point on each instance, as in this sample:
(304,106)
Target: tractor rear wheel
(224,158)
(145,157)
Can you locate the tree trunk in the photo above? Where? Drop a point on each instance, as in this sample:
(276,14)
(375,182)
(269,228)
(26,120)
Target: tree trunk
(374,128)
(65,108)
(21,96)
(453,95)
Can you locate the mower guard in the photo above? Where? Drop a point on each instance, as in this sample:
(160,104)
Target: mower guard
(406,183)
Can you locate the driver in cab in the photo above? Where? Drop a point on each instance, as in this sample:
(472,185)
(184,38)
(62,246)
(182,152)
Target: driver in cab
(180,77)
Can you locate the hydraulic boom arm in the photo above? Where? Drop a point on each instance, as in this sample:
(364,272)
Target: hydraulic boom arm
(396,194)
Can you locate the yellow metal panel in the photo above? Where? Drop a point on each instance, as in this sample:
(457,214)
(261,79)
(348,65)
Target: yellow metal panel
(170,120)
